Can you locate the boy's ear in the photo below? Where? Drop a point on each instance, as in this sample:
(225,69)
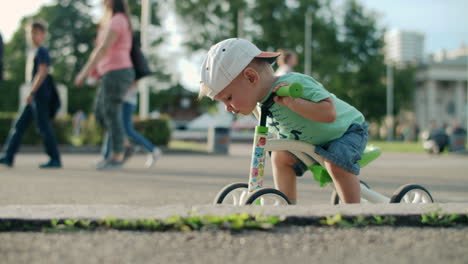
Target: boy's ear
(251,75)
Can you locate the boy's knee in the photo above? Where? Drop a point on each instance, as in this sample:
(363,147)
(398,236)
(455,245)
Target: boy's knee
(282,158)
(335,169)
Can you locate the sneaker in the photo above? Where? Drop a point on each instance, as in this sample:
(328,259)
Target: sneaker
(5,162)
(153,157)
(53,164)
(99,162)
(110,165)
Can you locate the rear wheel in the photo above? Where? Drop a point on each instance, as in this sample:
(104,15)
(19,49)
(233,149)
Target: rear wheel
(411,193)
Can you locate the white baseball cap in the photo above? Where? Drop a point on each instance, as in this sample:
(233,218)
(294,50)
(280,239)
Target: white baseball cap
(225,61)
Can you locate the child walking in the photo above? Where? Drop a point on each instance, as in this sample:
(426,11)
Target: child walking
(38,105)
(240,75)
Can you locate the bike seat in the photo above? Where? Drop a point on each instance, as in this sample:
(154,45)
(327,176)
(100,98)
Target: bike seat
(370,153)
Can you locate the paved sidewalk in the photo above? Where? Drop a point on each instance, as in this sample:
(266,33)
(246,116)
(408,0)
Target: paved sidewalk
(184,183)
(61,211)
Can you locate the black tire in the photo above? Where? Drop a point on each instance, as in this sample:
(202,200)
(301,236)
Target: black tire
(264,191)
(219,199)
(335,198)
(400,193)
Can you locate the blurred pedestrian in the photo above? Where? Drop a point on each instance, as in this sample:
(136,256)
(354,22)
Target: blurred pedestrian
(286,62)
(457,138)
(437,139)
(110,60)
(41,101)
(78,119)
(129,106)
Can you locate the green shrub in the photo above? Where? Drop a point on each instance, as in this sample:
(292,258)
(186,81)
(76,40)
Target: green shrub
(156,130)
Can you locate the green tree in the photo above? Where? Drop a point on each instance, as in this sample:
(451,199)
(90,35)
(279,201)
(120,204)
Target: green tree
(72,32)
(210,21)
(346,43)
(156,62)
(363,63)
(404,82)
(14,62)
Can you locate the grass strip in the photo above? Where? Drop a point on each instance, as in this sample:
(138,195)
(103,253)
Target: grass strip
(235,222)
(176,223)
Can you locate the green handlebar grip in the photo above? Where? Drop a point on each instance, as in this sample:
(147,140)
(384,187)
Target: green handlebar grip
(294,90)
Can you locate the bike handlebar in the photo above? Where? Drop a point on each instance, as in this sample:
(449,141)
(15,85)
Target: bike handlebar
(294,90)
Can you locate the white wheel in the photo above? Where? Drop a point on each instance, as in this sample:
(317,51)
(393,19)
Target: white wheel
(267,196)
(233,194)
(411,193)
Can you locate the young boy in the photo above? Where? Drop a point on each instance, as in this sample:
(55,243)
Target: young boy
(240,75)
(39,103)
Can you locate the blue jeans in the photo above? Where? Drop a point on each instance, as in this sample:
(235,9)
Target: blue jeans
(38,111)
(345,151)
(132,134)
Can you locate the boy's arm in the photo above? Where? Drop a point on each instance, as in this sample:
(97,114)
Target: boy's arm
(323,111)
(43,70)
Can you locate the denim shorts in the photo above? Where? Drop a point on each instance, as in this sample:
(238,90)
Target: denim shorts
(344,151)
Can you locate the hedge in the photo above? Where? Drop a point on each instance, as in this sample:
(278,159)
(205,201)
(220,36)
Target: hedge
(156,130)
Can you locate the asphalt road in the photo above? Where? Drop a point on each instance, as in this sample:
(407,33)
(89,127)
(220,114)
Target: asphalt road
(190,179)
(383,245)
(194,179)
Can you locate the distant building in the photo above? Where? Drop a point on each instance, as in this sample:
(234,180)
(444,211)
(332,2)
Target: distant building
(404,47)
(441,89)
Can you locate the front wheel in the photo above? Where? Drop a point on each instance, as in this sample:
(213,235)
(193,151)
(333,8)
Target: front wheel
(233,194)
(267,196)
(413,194)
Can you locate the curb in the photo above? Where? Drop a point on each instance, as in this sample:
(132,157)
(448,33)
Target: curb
(312,212)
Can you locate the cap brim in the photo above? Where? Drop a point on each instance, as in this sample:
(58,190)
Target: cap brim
(270,56)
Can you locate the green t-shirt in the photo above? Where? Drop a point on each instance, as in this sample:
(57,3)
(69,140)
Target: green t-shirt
(286,123)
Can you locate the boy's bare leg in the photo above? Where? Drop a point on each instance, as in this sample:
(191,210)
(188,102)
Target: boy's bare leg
(283,173)
(347,184)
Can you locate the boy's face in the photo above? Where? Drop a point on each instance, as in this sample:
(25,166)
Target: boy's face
(242,94)
(37,36)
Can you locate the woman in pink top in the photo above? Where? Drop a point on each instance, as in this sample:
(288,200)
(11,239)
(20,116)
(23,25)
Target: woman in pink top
(110,61)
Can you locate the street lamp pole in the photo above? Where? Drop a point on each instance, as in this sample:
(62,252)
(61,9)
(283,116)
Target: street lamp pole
(390,119)
(240,24)
(307,42)
(142,84)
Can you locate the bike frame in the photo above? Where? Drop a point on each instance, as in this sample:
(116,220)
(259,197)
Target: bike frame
(302,150)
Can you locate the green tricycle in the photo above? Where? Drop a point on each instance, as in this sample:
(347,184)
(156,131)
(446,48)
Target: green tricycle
(254,193)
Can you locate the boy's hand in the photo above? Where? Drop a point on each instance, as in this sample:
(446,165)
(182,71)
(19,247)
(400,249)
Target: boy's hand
(283,100)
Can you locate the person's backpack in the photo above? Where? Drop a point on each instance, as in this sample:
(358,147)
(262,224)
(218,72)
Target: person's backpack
(139,61)
(54,104)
